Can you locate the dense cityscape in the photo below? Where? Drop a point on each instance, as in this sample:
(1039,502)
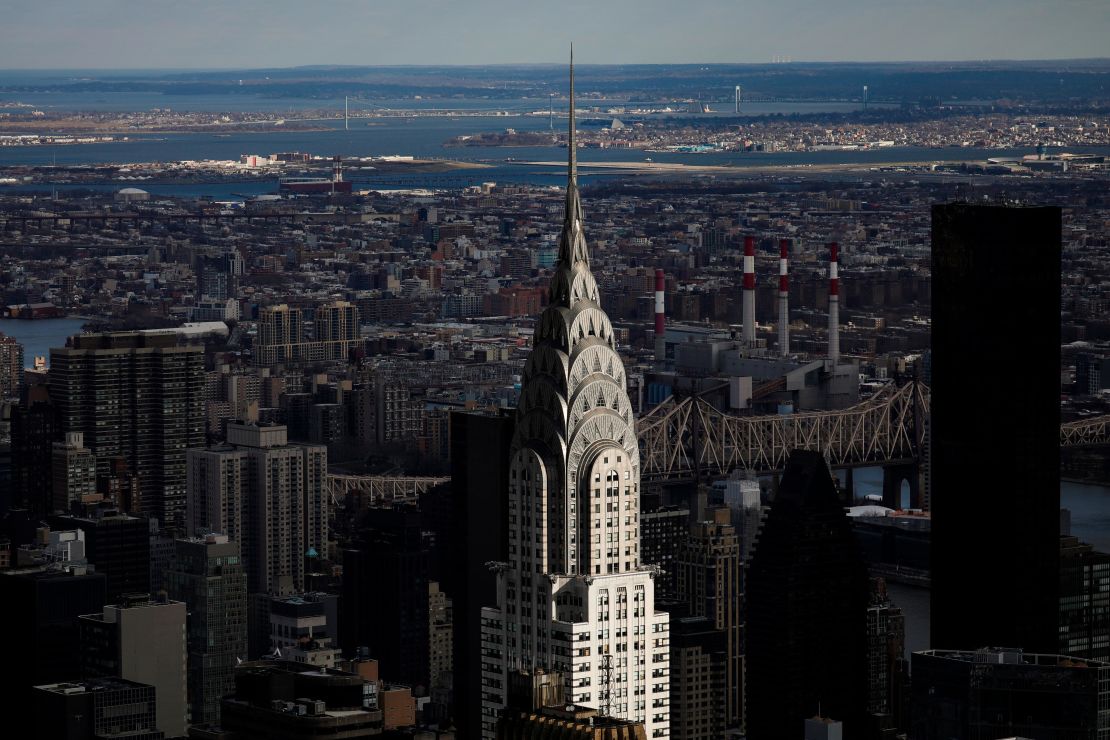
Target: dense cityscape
(634,413)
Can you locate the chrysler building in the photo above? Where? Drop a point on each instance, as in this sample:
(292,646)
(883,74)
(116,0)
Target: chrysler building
(573,596)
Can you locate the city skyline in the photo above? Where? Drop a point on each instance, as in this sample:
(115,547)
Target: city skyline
(129,35)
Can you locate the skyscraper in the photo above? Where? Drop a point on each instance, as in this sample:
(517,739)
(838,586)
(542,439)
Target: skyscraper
(11,366)
(806,592)
(995,478)
(573,596)
(207,575)
(139,396)
(385,594)
(479,506)
(708,566)
(266,494)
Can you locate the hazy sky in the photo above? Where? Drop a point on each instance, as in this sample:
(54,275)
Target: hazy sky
(255,33)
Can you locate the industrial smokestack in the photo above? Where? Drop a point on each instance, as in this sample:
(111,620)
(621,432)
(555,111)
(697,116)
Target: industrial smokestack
(749,291)
(784,299)
(660,321)
(834,304)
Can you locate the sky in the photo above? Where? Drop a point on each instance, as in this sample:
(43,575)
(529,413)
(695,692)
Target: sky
(176,34)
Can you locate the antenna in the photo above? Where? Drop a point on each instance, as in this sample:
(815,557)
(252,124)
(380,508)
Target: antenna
(346,115)
(572,144)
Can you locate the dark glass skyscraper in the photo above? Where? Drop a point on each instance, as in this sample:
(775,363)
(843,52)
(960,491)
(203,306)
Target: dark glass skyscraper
(995,426)
(807,593)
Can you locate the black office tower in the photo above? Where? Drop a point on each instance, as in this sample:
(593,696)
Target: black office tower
(385,594)
(480,500)
(995,426)
(41,606)
(807,593)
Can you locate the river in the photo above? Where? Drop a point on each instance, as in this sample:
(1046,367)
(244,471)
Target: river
(1090,522)
(38,336)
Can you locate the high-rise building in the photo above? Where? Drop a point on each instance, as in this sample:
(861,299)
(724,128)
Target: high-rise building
(11,366)
(266,494)
(995,444)
(709,572)
(886,664)
(1084,600)
(806,595)
(218,275)
(95,709)
(144,641)
(281,335)
(73,469)
(207,575)
(43,606)
(662,532)
(479,535)
(699,663)
(385,594)
(33,429)
(993,693)
(118,545)
(439,635)
(573,596)
(139,396)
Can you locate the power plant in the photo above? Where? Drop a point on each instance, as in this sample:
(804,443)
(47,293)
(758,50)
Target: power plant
(736,369)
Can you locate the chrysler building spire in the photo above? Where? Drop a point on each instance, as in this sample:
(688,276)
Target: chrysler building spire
(574,596)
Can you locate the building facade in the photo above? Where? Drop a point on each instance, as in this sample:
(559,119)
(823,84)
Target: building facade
(139,396)
(1084,600)
(806,596)
(573,596)
(144,641)
(996,293)
(709,581)
(207,575)
(266,494)
(974,694)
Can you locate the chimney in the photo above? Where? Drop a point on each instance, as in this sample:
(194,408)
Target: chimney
(834,305)
(784,299)
(749,291)
(660,321)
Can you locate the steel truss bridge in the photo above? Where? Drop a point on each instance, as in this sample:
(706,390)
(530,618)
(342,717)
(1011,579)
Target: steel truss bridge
(364,491)
(690,438)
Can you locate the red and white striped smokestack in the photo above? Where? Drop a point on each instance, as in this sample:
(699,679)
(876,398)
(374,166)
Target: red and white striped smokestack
(834,304)
(784,298)
(749,291)
(660,321)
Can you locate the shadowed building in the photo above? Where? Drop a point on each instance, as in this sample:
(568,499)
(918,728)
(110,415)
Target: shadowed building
(708,567)
(995,476)
(807,593)
(207,575)
(479,502)
(43,607)
(994,693)
(95,709)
